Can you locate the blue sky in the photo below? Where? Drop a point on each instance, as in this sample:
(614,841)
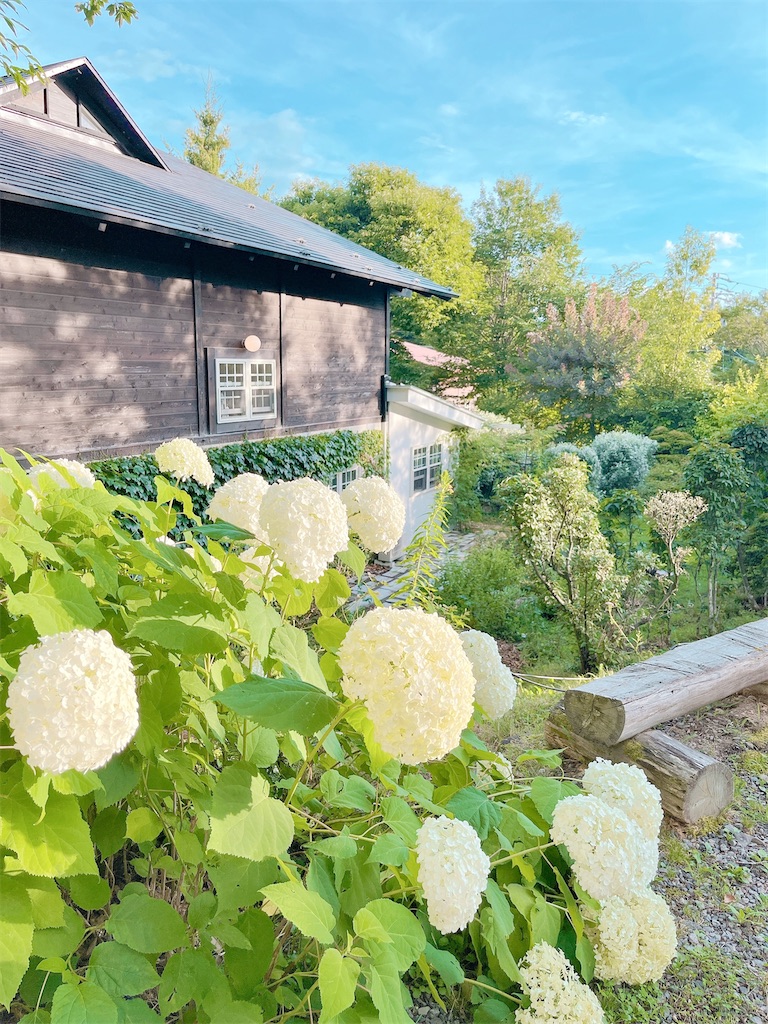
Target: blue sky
(644,115)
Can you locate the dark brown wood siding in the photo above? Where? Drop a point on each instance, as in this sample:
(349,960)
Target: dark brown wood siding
(107,339)
(333,356)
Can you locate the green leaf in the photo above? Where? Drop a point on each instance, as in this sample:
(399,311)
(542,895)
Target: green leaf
(77,783)
(188,623)
(238,883)
(104,565)
(119,778)
(260,621)
(493,1011)
(337,847)
(476,809)
(291,647)
(89,892)
(330,633)
(401,819)
(56,846)
(143,825)
(331,592)
(246,968)
(402,928)
(191,975)
(546,793)
(136,1011)
(262,747)
(222,531)
(147,925)
(47,902)
(201,910)
(545,920)
(445,963)
(82,1004)
(307,910)
(389,850)
(548,758)
(108,830)
(15,936)
(167,493)
(338,976)
(499,925)
(354,558)
(59,941)
(281,704)
(387,990)
(56,603)
(13,556)
(120,970)
(354,793)
(245,820)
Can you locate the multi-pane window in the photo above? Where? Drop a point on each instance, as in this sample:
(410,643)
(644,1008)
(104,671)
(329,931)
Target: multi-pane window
(340,481)
(245,389)
(427,466)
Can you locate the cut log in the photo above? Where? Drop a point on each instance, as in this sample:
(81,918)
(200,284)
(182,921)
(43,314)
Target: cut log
(760,691)
(617,707)
(692,785)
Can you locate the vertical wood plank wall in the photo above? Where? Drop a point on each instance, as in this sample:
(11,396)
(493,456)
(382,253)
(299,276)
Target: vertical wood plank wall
(107,339)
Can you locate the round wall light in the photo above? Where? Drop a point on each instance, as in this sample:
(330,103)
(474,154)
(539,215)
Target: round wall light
(252,343)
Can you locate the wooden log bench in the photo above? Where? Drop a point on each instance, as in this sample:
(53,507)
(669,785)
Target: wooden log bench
(641,696)
(692,785)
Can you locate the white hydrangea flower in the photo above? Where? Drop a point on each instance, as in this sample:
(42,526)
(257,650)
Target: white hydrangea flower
(611,856)
(557,994)
(496,687)
(185,460)
(73,702)
(635,939)
(306,523)
(376,513)
(625,786)
(238,501)
(411,670)
(82,476)
(453,872)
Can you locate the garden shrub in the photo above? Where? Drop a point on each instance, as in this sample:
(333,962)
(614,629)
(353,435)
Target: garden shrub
(253,852)
(624,458)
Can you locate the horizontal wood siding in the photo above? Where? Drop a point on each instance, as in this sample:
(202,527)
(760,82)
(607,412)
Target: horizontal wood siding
(93,357)
(333,359)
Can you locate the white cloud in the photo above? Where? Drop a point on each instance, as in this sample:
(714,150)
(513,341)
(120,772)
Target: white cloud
(448,110)
(580,117)
(726,239)
(148,66)
(669,246)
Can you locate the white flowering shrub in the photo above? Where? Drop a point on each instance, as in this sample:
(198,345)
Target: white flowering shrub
(556,994)
(496,687)
(72,704)
(376,513)
(60,472)
(184,460)
(453,872)
(635,939)
(306,524)
(611,856)
(412,673)
(238,501)
(221,800)
(626,787)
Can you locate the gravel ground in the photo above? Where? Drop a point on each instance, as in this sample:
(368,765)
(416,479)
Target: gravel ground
(715,878)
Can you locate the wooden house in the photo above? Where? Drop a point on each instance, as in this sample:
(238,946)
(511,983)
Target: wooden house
(142,298)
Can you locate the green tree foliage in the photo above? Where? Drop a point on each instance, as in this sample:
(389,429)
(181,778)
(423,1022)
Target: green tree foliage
(738,402)
(419,226)
(18,62)
(743,331)
(577,362)
(206,145)
(530,258)
(558,529)
(674,381)
(716,472)
(618,460)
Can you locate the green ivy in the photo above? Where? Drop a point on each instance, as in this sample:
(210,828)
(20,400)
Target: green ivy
(320,456)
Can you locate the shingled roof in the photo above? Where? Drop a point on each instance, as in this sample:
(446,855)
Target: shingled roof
(68,169)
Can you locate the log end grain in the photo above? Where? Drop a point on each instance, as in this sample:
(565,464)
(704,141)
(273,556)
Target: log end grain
(595,717)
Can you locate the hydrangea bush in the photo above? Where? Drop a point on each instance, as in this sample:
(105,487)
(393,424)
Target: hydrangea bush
(214,805)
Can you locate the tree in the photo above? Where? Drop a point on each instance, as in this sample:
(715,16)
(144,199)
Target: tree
(17,60)
(577,362)
(558,530)
(674,381)
(419,226)
(743,331)
(530,258)
(206,145)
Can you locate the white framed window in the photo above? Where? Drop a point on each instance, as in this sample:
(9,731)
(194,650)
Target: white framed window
(340,481)
(246,389)
(427,466)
